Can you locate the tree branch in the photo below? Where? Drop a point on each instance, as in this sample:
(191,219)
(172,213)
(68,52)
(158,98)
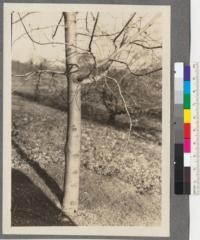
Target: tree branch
(98,35)
(125,26)
(31,30)
(46,43)
(27,14)
(57,26)
(86,22)
(136,74)
(91,39)
(146,47)
(125,105)
(146,26)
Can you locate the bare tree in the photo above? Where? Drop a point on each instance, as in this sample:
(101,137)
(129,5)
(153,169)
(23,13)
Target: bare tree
(83,67)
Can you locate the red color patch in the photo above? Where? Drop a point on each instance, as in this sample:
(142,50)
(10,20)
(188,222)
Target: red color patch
(186,130)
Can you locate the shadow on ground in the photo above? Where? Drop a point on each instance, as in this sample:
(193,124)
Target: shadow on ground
(49,181)
(30,206)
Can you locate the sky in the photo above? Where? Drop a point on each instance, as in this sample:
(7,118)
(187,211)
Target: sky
(23,49)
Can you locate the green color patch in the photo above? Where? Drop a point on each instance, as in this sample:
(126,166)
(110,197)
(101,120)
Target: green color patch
(186,101)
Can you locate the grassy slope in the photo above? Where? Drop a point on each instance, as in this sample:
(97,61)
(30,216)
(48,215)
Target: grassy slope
(120,183)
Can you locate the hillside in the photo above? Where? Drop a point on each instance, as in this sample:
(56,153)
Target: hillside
(120,182)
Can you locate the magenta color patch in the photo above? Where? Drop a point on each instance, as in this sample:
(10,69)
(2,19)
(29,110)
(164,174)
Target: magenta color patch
(186,145)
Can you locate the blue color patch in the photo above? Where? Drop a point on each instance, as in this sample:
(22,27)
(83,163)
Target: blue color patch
(187,72)
(187,87)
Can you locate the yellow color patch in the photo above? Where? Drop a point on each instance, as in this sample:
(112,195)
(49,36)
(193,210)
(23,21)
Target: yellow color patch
(186,116)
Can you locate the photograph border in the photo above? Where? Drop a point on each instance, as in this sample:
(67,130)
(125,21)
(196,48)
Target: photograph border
(163,230)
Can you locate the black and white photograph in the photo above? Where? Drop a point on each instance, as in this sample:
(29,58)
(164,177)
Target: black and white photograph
(86,119)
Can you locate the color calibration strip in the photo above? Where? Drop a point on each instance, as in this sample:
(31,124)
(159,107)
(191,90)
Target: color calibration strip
(178,126)
(195,128)
(186,130)
(182,126)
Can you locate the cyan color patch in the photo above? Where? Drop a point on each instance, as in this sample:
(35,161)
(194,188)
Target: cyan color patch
(187,87)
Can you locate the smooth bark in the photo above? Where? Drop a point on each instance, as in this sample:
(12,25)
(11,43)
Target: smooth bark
(73,138)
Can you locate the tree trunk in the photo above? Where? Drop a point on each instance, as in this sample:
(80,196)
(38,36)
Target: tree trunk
(73,138)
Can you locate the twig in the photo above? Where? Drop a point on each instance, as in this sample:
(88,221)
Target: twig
(22,75)
(136,74)
(27,14)
(146,47)
(57,26)
(47,43)
(91,39)
(97,35)
(86,22)
(26,77)
(146,26)
(31,30)
(125,26)
(123,40)
(125,105)
(107,85)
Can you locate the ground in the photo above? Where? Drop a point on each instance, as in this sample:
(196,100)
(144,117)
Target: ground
(120,180)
